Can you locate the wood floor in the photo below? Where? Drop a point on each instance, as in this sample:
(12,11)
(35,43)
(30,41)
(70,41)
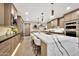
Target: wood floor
(25,48)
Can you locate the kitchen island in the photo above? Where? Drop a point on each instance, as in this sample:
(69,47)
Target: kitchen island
(58,45)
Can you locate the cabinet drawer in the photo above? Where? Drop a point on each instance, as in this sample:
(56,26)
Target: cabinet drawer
(4,50)
(4,44)
(7,47)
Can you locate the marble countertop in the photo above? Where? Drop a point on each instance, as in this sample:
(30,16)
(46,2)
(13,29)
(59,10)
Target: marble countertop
(59,45)
(6,37)
(45,38)
(49,38)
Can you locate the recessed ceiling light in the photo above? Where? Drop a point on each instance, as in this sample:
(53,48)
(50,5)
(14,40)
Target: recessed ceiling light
(68,8)
(26,13)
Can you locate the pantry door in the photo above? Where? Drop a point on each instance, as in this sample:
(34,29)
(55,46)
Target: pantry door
(27,29)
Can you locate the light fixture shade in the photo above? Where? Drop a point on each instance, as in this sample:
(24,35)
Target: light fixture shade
(52,12)
(68,8)
(52,3)
(26,13)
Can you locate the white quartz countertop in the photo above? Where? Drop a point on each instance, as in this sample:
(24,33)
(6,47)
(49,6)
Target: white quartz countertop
(58,45)
(45,38)
(49,38)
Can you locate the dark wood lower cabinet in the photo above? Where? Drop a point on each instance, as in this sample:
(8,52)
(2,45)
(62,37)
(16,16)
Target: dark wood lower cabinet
(43,49)
(7,47)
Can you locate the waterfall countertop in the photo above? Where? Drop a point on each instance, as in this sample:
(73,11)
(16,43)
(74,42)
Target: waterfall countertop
(58,45)
(6,37)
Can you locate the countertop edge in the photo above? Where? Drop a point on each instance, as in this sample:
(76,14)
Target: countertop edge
(9,37)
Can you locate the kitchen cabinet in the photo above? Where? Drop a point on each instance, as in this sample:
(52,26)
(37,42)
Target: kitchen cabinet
(49,25)
(27,29)
(10,13)
(7,47)
(55,22)
(14,42)
(43,49)
(72,15)
(7,13)
(75,15)
(61,22)
(1,14)
(52,24)
(20,24)
(68,17)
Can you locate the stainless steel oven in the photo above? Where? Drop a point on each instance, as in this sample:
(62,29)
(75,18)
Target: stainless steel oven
(71,33)
(72,28)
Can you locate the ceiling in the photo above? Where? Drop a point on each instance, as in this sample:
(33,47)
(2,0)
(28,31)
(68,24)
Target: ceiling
(32,11)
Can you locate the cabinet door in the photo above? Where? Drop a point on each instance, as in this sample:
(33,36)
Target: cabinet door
(43,49)
(1,14)
(27,29)
(49,25)
(13,43)
(17,39)
(5,48)
(72,16)
(61,23)
(75,15)
(68,17)
(55,23)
